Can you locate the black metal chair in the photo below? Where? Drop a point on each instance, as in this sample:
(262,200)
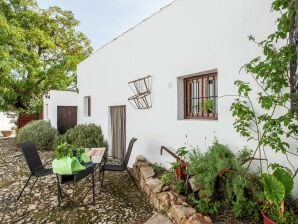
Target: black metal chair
(120,166)
(34,163)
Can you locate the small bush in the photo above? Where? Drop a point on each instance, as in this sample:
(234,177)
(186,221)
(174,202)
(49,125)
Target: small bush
(86,136)
(38,132)
(225,183)
(168,178)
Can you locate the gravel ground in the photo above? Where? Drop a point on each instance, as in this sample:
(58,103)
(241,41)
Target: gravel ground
(119,202)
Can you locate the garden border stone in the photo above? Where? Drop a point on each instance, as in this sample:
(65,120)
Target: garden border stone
(165,201)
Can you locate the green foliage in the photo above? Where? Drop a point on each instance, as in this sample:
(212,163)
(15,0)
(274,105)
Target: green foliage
(168,178)
(174,165)
(67,150)
(285,178)
(274,125)
(38,132)
(179,187)
(224,182)
(39,51)
(85,136)
(217,158)
(276,187)
(274,190)
(207,207)
(182,152)
(288,217)
(64,150)
(158,169)
(268,119)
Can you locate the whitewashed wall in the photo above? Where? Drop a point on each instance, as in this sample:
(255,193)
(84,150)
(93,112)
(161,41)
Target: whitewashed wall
(190,36)
(5,122)
(57,98)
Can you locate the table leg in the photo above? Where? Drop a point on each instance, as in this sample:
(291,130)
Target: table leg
(93,187)
(59,192)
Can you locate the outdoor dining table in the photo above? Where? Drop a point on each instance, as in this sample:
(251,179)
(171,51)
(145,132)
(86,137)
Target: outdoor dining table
(90,169)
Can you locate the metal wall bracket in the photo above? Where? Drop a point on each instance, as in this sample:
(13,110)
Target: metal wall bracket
(142,93)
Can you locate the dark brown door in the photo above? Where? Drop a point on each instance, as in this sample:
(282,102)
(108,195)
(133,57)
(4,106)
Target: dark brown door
(118,128)
(66,118)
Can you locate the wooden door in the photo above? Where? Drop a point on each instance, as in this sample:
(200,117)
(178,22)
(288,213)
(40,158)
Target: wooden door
(118,128)
(66,118)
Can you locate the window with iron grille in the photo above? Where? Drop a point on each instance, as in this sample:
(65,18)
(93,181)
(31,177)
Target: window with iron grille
(200,96)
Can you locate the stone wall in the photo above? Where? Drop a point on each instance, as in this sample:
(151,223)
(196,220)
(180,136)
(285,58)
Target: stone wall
(164,200)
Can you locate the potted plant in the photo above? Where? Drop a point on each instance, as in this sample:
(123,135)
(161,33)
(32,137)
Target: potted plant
(64,150)
(180,165)
(67,159)
(6,133)
(277,186)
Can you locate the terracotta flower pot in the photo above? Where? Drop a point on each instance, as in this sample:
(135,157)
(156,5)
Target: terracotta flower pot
(6,133)
(180,171)
(266,220)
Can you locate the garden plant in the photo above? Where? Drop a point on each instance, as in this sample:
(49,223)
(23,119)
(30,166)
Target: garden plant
(84,136)
(268,114)
(39,132)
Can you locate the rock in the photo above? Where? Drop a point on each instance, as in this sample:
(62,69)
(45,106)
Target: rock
(154,184)
(162,201)
(147,172)
(179,212)
(37,194)
(165,188)
(196,219)
(140,158)
(158,219)
(193,186)
(31,207)
(139,162)
(41,206)
(69,191)
(93,219)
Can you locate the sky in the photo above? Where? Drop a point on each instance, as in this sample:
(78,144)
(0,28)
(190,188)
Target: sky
(103,20)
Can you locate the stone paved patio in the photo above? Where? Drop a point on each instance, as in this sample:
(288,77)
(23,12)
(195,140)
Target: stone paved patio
(119,202)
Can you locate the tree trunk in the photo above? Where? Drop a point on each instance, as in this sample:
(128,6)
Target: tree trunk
(293,67)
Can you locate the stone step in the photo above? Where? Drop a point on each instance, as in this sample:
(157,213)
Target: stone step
(158,219)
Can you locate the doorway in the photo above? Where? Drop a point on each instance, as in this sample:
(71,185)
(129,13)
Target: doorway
(66,118)
(118,131)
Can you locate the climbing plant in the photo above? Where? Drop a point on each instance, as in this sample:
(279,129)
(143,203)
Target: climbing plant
(266,114)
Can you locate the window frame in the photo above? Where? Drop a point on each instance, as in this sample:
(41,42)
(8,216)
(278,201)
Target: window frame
(202,94)
(87,106)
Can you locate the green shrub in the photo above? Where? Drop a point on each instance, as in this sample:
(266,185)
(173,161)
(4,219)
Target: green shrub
(179,187)
(86,136)
(225,183)
(38,132)
(158,169)
(168,178)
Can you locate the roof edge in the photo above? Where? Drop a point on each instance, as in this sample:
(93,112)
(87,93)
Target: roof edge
(132,28)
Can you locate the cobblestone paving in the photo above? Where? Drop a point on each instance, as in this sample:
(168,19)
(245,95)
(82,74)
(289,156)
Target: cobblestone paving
(119,202)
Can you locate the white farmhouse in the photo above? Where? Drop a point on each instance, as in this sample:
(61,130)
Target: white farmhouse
(192,51)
